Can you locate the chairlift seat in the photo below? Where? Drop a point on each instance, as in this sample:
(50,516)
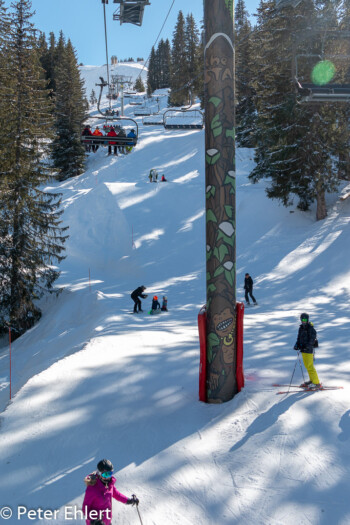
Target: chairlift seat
(325,93)
(170,116)
(183,126)
(104,141)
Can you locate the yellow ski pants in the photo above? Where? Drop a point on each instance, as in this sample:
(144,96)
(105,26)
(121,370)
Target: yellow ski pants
(308,360)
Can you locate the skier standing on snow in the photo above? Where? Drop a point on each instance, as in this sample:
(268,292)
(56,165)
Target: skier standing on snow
(305,343)
(100,490)
(135,296)
(154,174)
(248,287)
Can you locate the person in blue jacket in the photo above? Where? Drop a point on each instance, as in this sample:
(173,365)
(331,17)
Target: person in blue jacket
(130,145)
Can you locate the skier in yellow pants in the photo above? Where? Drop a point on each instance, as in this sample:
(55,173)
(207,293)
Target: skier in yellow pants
(306,343)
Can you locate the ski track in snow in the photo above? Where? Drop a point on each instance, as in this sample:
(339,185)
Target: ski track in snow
(92,381)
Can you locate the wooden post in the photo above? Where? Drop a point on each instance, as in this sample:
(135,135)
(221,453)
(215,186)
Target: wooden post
(219,84)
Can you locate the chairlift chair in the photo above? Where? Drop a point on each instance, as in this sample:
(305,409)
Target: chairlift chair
(119,141)
(285,3)
(173,113)
(142,112)
(310,92)
(130,11)
(323,92)
(151,120)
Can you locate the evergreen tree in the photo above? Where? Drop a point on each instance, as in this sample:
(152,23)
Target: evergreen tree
(5,79)
(139,86)
(152,75)
(43,51)
(31,235)
(296,142)
(50,62)
(245,108)
(179,74)
(68,151)
(164,51)
(193,56)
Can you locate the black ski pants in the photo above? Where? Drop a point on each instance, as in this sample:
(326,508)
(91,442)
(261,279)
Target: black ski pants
(114,150)
(250,292)
(137,305)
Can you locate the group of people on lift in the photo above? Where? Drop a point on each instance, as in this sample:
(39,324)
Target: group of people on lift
(110,131)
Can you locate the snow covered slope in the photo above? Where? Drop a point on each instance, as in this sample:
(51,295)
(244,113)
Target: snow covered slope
(92,74)
(94,381)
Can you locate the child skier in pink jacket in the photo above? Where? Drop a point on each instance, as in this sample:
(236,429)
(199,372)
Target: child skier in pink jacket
(100,489)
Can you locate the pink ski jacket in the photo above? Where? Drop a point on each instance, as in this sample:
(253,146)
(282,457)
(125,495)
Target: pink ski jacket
(98,497)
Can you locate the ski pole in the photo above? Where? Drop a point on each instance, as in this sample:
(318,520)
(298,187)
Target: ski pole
(301,368)
(137,508)
(291,379)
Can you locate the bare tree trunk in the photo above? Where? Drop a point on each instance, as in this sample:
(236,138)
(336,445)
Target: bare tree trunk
(220,199)
(321,210)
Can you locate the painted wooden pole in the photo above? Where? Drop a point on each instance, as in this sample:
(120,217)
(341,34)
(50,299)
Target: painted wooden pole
(220,199)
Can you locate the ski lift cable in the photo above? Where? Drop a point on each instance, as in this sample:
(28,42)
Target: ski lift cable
(149,56)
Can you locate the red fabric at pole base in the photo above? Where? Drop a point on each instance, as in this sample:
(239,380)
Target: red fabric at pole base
(202,329)
(239,342)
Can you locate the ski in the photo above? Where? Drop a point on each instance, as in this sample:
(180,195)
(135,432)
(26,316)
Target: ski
(281,384)
(302,387)
(291,386)
(301,390)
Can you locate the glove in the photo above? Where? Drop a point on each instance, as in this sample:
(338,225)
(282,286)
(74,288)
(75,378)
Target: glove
(133,500)
(296,347)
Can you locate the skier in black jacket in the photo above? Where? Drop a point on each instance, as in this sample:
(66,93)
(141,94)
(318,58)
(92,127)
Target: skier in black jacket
(136,294)
(248,287)
(306,343)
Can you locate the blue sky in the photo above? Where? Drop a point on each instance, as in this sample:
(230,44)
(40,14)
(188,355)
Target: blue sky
(82,22)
